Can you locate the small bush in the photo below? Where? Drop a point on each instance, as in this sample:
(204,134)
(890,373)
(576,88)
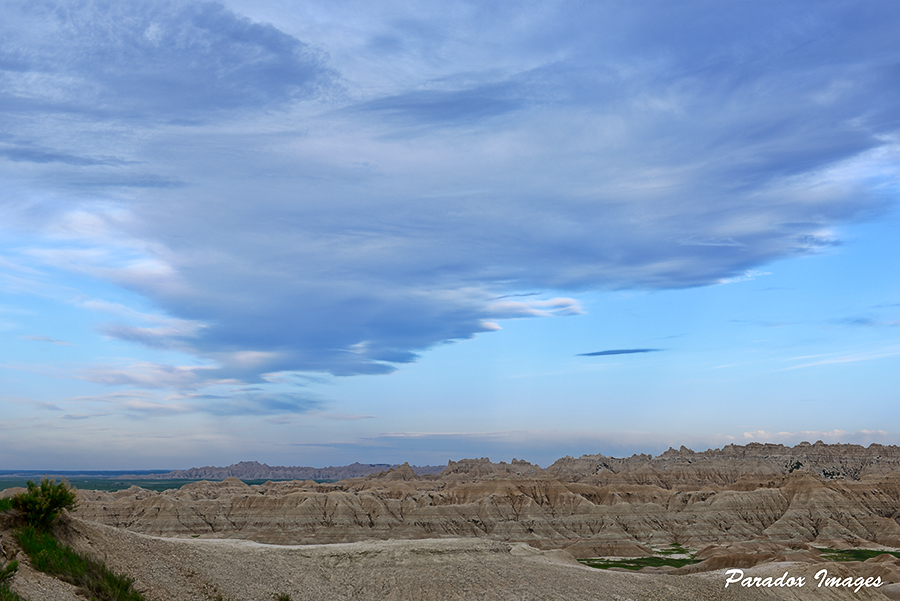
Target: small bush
(40,505)
(5,504)
(283,597)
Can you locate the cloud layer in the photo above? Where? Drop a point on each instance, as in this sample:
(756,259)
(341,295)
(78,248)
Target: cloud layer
(147,60)
(287,213)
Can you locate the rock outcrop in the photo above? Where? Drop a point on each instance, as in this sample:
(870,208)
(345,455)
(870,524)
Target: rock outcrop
(483,468)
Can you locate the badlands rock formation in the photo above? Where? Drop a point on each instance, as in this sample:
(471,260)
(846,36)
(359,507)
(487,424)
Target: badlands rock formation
(827,495)
(732,462)
(494,530)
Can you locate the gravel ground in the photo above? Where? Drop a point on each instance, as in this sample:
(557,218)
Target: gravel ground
(35,586)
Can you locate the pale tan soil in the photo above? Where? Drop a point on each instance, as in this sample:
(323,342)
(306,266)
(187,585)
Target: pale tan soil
(35,586)
(199,570)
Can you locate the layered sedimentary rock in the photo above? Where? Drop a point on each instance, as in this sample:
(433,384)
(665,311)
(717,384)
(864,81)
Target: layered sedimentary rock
(647,502)
(684,467)
(475,468)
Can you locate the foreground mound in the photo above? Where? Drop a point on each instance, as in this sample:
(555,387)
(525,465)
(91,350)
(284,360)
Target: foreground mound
(203,570)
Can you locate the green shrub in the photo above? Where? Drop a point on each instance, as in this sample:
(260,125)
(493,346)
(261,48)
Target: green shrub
(283,597)
(5,504)
(40,505)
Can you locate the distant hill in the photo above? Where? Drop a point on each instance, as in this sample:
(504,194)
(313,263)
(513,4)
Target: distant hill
(253,470)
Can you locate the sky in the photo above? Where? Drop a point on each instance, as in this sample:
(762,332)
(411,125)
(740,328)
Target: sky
(319,232)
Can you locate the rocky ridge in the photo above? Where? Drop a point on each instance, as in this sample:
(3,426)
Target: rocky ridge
(253,470)
(733,462)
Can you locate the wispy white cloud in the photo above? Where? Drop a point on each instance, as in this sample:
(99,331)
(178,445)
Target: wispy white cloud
(692,241)
(224,401)
(505,309)
(80,416)
(154,376)
(344,417)
(832,436)
(746,277)
(46,339)
(832,359)
(44,405)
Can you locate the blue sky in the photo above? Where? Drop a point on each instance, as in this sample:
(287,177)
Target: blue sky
(313,233)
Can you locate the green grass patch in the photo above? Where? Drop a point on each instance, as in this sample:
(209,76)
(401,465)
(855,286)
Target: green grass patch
(8,595)
(637,563)
(95,580)
(9,571)
(674,549)
(6,574)
(854,554)
(660,558)
(6,504)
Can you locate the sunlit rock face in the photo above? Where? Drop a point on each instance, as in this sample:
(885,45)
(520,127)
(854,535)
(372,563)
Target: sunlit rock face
(828,495)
